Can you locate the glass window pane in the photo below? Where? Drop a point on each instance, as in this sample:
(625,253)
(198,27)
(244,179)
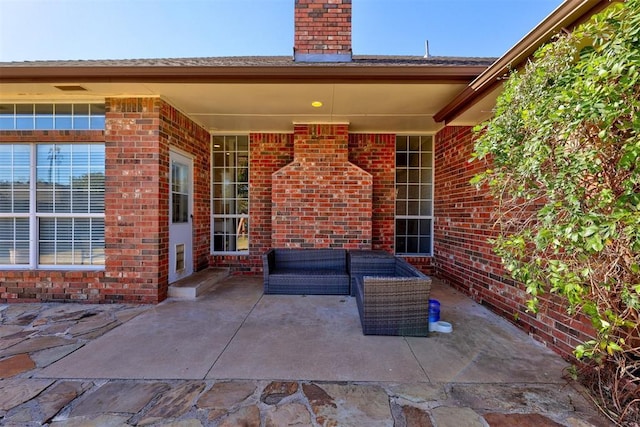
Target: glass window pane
(96,155)
(21,155)
(64,109)
(180,213)
(81,253)
(44,109)
(62,201)
(80,109)
(44,201)
(80,201)
(425,208)
(22,229)
(427,158)
(401,175)
(24,122)
(426,175)
(414,192)
(412,245)
(97,109)
(6,109)
(401,159)
(413,208)
(414,160)
(24,109)
(7,231)
(412,227)
(64,253)
(414,143)
(97,122)
(82,229)
(6,203)
(7,123)
(427,144)
(81,122)
(97,230)
(47,229)
(21,201)
(63,122)
(96,201)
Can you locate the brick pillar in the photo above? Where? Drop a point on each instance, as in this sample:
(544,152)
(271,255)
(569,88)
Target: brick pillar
(322,31)
(136,202)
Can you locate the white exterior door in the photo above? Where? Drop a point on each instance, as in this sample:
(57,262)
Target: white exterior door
(180,217)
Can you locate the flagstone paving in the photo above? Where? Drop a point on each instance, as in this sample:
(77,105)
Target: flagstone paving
(34,337)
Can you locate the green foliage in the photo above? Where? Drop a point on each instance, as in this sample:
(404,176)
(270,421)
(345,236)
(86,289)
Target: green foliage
(564,155)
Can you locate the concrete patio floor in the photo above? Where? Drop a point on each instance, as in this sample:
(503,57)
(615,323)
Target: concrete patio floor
(283,359)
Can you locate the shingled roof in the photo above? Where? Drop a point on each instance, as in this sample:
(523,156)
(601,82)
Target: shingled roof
(263,61)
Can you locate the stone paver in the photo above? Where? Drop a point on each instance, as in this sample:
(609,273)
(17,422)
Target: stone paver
(34,336)
(290,414)
(15,365)
(15,391)
(444,416)
(174,402)
(248,416)
(119,397)
(520,420)
(278,390)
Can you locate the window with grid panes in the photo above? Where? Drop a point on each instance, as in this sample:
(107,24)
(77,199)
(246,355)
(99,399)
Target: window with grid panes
(52,205)
(414,195)
(230,193)
(52,116)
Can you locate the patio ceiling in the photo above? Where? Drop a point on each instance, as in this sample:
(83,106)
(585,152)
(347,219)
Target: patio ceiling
(273,107)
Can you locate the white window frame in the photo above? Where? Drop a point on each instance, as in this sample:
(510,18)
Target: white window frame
(233,217)
(34,217)
(418,217)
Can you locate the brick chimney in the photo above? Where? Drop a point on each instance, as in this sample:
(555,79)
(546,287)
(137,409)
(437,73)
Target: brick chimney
(322,31)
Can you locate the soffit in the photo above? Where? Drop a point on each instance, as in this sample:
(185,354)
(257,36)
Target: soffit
(271,107)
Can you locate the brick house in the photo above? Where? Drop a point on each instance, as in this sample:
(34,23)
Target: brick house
(118,178)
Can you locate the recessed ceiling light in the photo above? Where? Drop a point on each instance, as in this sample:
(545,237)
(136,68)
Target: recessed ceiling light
(316,104)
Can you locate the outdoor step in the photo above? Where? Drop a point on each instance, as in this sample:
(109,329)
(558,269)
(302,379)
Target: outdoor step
(198,283)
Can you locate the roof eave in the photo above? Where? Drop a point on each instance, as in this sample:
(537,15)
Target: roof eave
(231,74)
(567,15)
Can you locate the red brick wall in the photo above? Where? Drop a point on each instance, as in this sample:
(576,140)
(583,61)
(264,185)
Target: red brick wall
(50,285)
(268,152)
(376,154)
(178,131)
(322,27)
(464,258)
(139,134)
(320,200)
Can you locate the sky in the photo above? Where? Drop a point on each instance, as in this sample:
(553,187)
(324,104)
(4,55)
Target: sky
(128,29)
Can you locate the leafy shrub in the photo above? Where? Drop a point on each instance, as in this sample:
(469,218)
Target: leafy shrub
(563,152)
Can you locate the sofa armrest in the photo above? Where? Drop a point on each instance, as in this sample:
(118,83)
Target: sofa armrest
(404,269)
(268,264)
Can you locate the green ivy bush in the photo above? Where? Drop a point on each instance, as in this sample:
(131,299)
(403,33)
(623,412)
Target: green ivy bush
(563,156)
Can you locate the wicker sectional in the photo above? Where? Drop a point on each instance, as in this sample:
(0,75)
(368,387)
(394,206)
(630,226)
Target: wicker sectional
(391,294)
(393,298)
(306,272)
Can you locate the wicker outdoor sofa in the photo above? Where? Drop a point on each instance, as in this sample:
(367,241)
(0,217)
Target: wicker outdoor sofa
(306,272)
(392,295)
(394,300)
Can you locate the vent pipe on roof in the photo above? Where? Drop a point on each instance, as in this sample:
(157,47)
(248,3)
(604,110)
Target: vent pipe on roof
(322,31)
(426,49)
